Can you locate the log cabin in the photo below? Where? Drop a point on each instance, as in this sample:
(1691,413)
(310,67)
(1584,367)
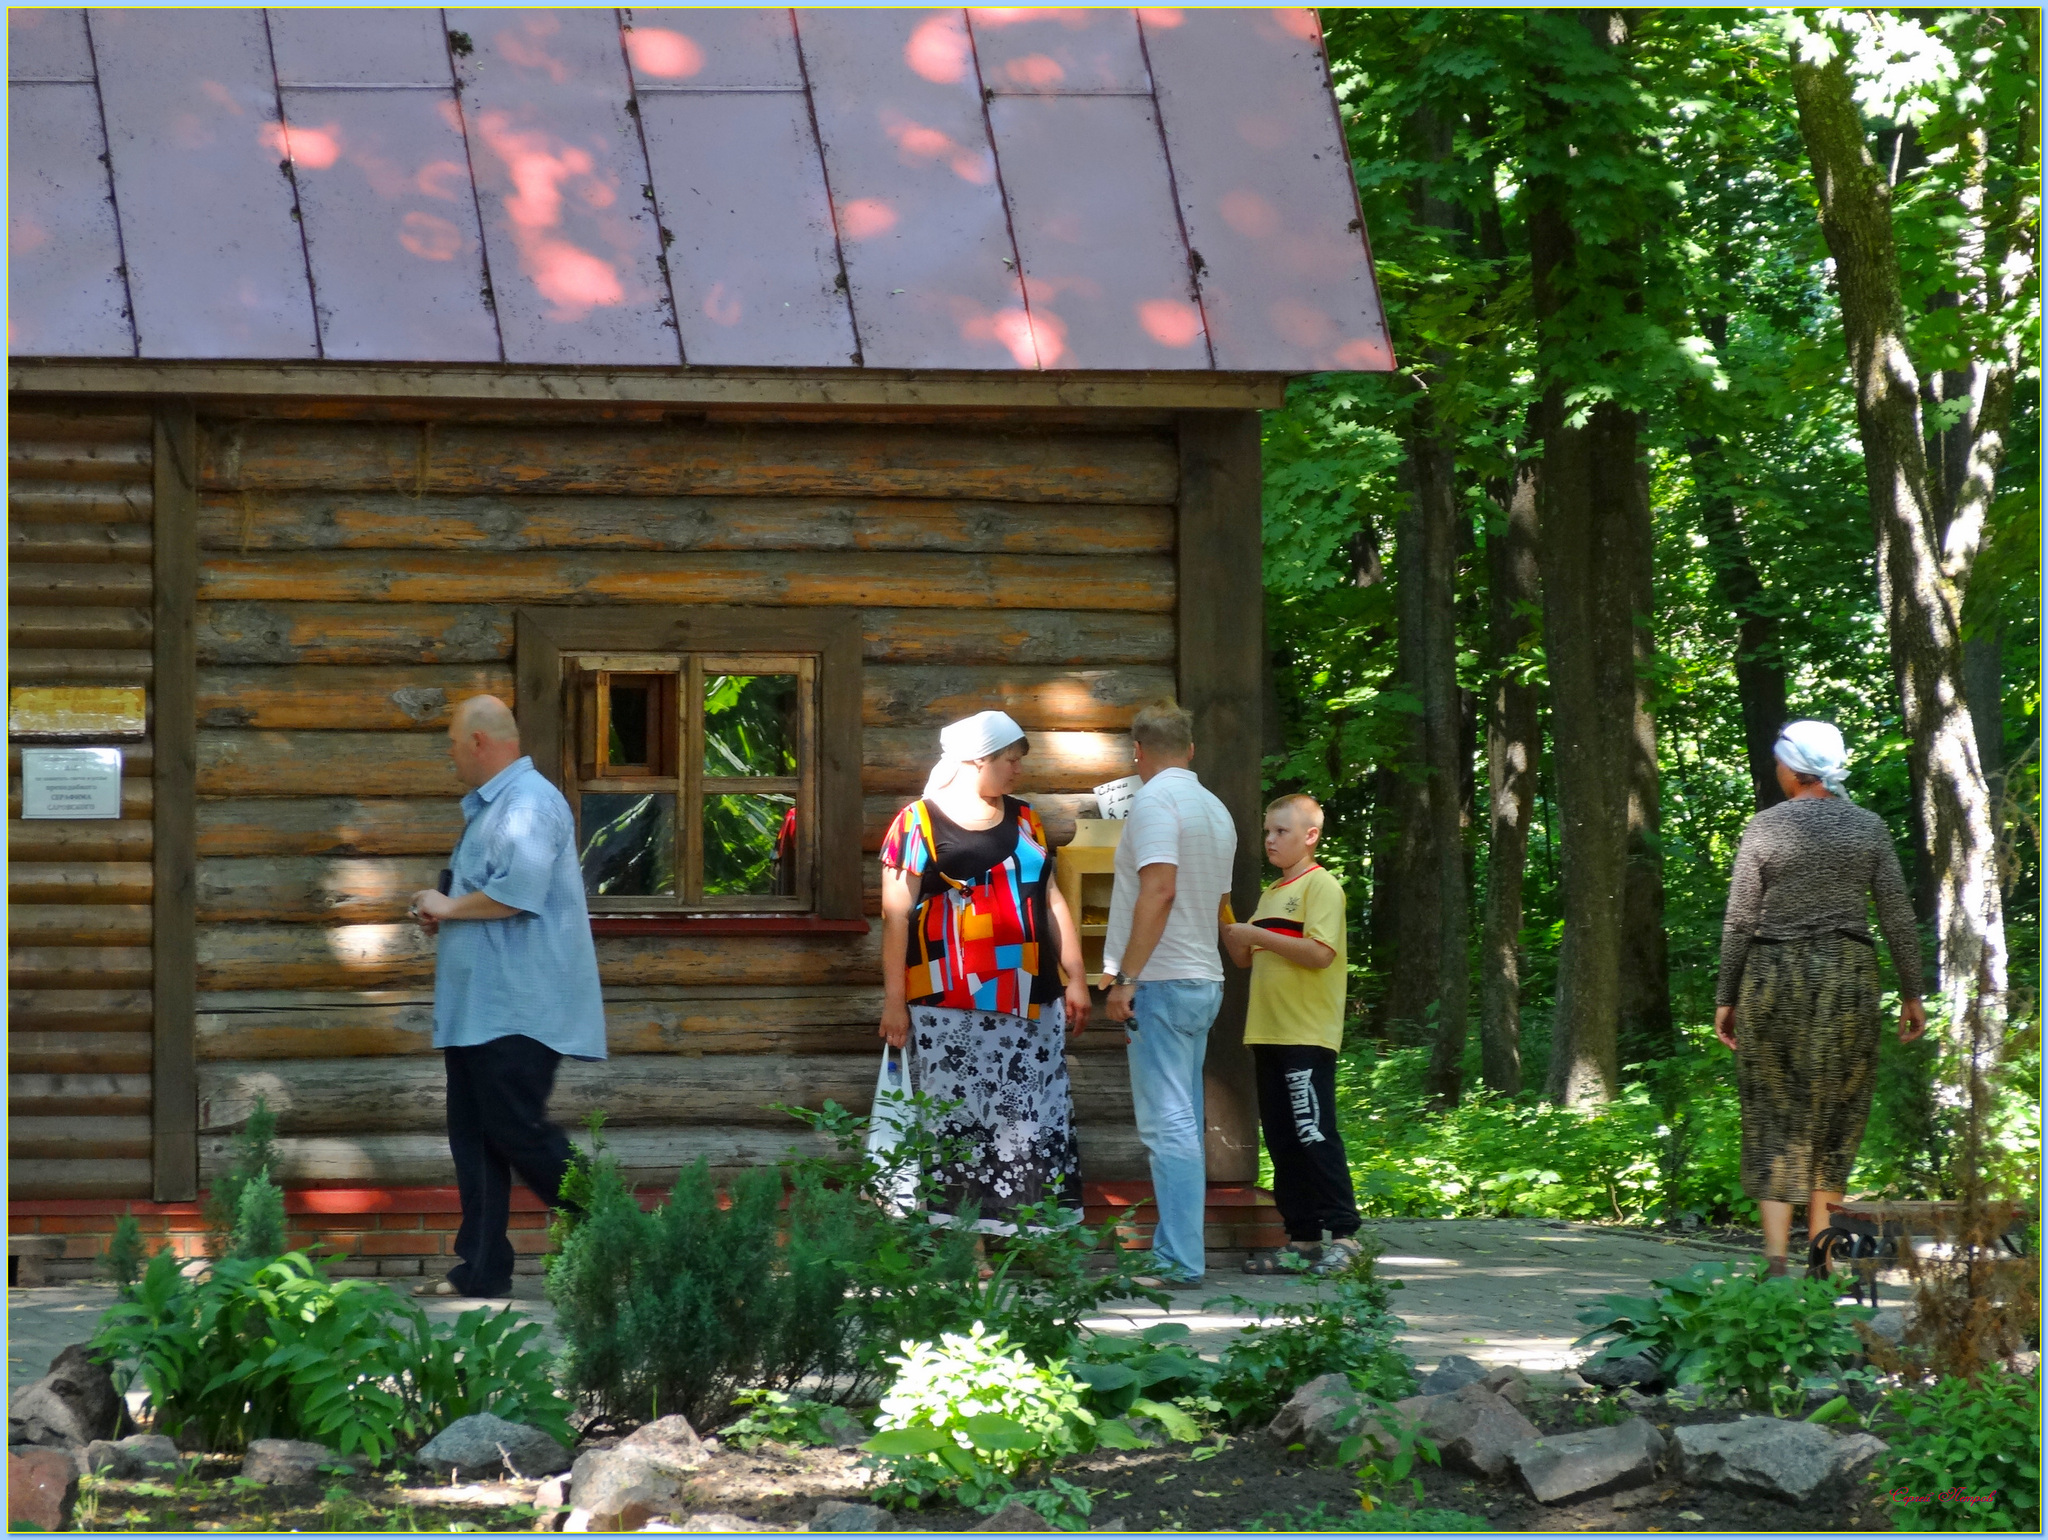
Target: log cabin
(742,394)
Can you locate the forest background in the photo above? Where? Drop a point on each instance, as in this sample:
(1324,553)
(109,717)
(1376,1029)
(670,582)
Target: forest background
(1538,602)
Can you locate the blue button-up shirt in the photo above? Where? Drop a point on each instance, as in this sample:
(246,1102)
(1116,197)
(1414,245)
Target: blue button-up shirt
(533,973)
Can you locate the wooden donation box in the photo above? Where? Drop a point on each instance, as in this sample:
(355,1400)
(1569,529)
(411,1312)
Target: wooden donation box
(1086,872)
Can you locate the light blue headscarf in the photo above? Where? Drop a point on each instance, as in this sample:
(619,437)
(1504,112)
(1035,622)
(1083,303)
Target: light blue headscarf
(1814,748)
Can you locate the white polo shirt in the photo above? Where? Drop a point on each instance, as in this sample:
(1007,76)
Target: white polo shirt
(1176,821)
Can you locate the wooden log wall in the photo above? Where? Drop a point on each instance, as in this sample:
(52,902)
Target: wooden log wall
(357,578)
(80,964)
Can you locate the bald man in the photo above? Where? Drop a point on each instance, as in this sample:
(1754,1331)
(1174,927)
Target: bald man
(515,987)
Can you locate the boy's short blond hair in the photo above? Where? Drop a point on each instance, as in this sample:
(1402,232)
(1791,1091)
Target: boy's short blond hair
(1311,809)
(1164,728)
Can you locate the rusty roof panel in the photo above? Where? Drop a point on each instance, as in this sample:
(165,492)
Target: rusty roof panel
(1266,190)
(755,278)
(370,47)
(47,45)
(215,263)
(735,50)
(921,222)
(1104,264)
(390,225)
(1068,52)
(64,290)
(559,168)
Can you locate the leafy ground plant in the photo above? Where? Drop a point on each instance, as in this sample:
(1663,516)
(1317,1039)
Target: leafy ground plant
(1341,1326)
(773,1417)
(1732,1329)
(1964,1455)
(277,1349)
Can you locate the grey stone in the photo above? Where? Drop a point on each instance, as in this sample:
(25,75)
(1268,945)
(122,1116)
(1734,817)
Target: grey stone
(136,1455)
(1557,1382)
(483,1445)
(1013,1518)
(42,1488)
(1890,1323)
(1638,1371)
(1322,1415)
(69,1407)
(1639,1403)
(671,1441)
(1510,1384)
(621,1489)
(1473,1429)
(286,1461)
(716,1524)
(1454,1371)
(844,1429)
(835,1518)
(1795,1462)
(1566,1467)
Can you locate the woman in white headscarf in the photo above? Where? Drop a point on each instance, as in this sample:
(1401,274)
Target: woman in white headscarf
(1797,998)
(975,936)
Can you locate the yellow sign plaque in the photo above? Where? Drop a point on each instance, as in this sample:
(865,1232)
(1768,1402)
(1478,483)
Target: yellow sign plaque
(77,711)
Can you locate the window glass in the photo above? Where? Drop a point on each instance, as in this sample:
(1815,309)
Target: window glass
(629,711)
(750,724)
(750,844)
(629,843)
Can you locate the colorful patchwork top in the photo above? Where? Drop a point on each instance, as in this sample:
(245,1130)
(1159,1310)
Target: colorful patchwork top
(981,937)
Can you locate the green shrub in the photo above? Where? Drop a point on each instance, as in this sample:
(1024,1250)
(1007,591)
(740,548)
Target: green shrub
(1340,1327)
(969,1406)
(121,1263)
(276,1349)
(1121,1374)
(258,1232)
(771,1416)
(1732,1329)
(678,1310)
(251,1155)
(1955,1440)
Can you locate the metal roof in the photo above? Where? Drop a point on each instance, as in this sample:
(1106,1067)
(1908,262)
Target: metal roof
(825,189)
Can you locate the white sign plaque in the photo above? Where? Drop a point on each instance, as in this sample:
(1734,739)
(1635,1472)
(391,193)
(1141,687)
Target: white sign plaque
(70,783)
(1114,798)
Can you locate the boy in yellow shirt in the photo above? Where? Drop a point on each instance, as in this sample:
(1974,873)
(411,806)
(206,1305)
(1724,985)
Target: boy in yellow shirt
(1294,945)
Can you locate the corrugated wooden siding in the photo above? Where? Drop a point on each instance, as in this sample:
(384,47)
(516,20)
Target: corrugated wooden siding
(358,578)
(79,1047)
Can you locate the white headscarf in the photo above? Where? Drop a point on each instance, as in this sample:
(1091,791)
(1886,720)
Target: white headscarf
(1814,748)
(974,737)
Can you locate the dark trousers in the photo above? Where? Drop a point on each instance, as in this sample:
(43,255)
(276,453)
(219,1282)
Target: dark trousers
(1298,1111)
(498,1127)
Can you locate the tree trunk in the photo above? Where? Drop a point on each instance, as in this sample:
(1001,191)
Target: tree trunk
(1644,1031)
(1590,497)
(1512,750)
(1921,575)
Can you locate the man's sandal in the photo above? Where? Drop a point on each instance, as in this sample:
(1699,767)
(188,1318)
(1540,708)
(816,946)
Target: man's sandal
(1337,1255)
(1273,1264)
(440,1288)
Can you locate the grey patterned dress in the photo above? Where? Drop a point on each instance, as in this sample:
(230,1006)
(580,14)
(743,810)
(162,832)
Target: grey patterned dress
(1799,966)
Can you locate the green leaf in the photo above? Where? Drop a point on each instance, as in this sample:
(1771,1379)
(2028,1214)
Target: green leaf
(991,1430)
(1104,1377)
(1179,1426)
(1115,1433)
(897,1443)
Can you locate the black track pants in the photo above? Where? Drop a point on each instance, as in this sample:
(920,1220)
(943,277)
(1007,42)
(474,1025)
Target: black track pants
(1298,1112)
(498,1127)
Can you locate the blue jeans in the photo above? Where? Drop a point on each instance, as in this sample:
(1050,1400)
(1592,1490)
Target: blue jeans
(1168,1036)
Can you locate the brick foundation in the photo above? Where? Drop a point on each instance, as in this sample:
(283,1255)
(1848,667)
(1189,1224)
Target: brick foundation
(408,1232)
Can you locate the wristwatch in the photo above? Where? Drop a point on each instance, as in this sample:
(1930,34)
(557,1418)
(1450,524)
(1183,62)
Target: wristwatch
(1120,980)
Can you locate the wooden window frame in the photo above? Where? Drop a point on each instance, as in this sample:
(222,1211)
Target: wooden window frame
(829,638)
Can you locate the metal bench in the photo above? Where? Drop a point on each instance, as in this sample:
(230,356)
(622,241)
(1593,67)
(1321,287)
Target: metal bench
(1867,1237)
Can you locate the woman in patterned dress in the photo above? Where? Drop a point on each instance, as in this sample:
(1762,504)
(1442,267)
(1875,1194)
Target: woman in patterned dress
(1797,998)
(975,935)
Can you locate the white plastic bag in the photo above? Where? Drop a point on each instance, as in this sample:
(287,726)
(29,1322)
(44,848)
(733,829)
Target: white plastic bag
(888,1121)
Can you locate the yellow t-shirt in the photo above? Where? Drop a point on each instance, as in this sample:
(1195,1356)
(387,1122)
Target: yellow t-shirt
(1291,1004)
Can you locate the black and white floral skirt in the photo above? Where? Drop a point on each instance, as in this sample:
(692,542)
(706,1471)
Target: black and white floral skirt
(1012,1131)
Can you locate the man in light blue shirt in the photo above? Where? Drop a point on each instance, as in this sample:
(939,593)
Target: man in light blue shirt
(515,987)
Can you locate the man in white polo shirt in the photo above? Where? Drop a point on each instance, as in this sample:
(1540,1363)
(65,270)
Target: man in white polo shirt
(1163,968)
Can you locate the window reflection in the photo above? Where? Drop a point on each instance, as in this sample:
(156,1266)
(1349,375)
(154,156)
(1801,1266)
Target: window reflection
(750,844)
(629,843)
(750,724)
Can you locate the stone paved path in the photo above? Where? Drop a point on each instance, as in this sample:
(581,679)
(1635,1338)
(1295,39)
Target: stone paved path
(1499,1291)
